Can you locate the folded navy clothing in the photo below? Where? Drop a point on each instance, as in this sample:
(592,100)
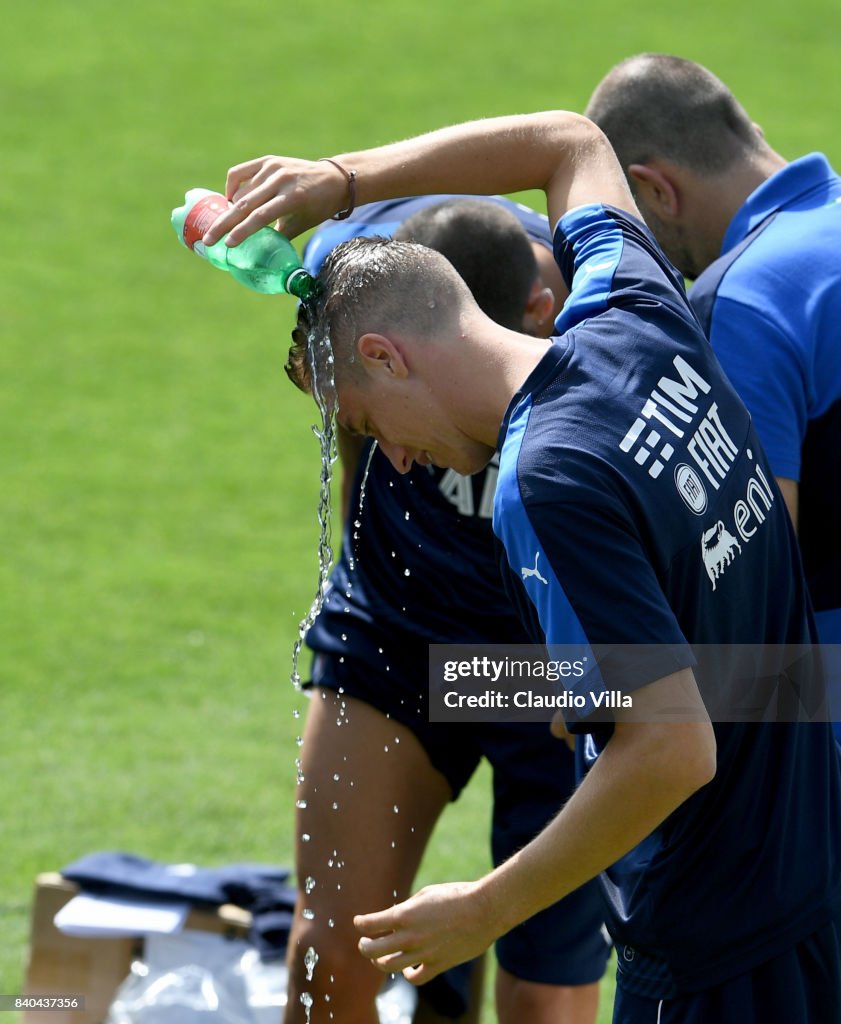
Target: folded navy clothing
(262,889)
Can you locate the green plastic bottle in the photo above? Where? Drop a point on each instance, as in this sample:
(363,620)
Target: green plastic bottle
(266,261)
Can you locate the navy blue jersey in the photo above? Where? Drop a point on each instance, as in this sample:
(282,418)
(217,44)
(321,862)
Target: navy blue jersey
(421,559)
(385,217)
(635,505)
(771,307)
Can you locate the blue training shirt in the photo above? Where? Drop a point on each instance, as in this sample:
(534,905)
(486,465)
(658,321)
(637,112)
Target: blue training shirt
(632,477)
(421,561)
(385,217)
(771,307)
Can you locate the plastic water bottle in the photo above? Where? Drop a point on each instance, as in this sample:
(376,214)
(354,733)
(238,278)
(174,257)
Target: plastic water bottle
(266,261)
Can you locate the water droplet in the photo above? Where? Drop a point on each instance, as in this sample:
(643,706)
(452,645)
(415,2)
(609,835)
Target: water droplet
(335,806)
(407,515)
(331,923)
(308,914)
(310,960)
(296,713)
(336,776)
(299,741)
(407,572)
(396,809)
(309,884)
(385,748)
(305,837)
(301,804)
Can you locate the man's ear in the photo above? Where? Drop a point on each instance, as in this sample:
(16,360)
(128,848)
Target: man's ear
(539,308)
(655,189)
(379,354)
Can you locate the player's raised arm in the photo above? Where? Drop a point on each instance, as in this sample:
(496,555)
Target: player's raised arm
(560,152)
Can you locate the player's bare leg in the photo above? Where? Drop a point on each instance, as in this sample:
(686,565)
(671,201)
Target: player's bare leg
(518,1000)
(372,798)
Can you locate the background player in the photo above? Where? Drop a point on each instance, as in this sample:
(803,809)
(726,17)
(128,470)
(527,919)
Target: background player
(762,239)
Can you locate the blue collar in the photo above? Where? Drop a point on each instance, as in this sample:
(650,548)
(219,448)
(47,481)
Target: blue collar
(788,185)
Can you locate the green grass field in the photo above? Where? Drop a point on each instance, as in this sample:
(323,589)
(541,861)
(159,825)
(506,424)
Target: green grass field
(159,476)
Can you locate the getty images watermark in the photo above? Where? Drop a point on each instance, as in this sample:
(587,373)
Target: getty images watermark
(598,683)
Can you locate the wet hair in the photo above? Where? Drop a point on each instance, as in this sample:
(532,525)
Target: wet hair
(489,248)
(656,105)
(378,285)
(482,240)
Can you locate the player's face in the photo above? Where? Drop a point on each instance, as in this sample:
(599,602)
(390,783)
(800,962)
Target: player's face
(410,426)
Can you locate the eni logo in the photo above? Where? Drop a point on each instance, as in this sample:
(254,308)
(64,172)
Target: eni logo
(718,549)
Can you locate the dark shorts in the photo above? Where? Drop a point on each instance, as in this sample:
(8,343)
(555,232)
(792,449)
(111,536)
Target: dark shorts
(801,986)
(533,776)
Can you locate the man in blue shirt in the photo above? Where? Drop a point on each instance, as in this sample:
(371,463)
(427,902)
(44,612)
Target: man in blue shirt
(417,567)
(761,237)
(717,845)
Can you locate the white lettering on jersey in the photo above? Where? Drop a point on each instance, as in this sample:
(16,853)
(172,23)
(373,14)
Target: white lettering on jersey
(668,417)
(719,547)
(671,406)
(458,490)
(712,448)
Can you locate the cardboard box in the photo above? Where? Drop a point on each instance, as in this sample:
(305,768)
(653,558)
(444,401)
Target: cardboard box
(62,965)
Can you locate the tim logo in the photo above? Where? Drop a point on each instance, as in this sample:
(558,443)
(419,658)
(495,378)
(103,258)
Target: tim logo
(665,418)
(718,549)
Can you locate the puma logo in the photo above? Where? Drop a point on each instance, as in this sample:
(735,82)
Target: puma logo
(534,572)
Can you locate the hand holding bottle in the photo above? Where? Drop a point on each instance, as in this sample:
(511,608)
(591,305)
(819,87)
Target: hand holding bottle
(297,194)
(266,261)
